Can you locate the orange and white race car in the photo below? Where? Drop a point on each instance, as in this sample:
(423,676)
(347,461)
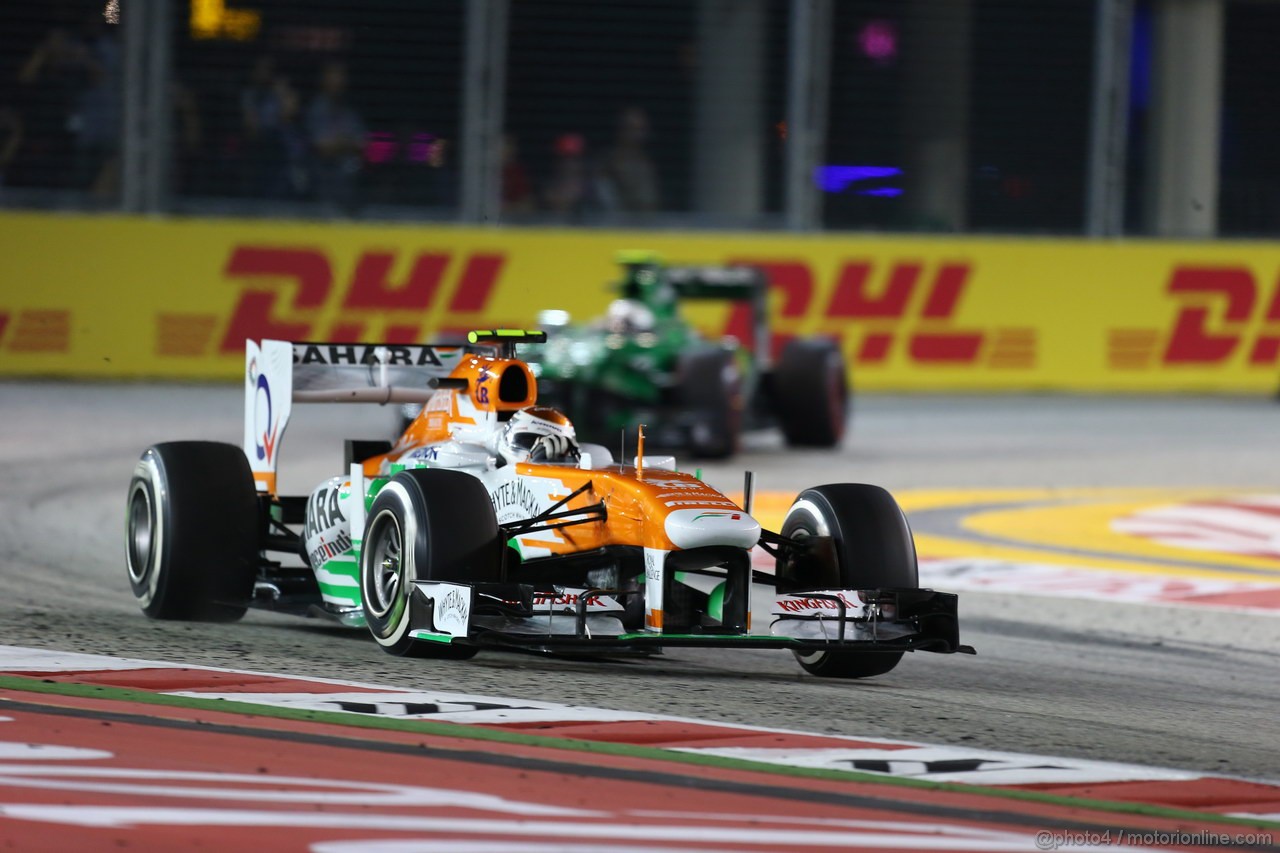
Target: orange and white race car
(488,524)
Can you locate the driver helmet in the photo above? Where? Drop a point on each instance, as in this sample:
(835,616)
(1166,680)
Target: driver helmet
(627,316)
(538,434)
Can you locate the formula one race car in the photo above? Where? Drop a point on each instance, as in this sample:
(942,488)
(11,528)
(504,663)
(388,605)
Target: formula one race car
(644,363)
(488,524)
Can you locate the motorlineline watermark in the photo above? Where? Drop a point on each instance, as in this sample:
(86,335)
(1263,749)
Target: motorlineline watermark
(1055,839)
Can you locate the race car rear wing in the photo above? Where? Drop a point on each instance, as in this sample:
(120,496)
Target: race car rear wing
(279,373)
(736,283)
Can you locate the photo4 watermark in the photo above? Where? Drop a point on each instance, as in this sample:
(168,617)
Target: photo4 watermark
(1059,839)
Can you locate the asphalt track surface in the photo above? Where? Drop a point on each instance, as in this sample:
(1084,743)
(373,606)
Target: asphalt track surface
(1173,687)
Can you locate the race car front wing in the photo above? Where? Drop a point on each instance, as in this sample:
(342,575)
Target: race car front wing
(562,618)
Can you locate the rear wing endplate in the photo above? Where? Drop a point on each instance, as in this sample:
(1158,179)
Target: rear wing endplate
(280,373)
(734,283)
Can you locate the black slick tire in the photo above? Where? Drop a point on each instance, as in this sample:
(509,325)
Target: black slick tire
(193,532)
(811,393)
(711,390)
(424,525)
(874,548)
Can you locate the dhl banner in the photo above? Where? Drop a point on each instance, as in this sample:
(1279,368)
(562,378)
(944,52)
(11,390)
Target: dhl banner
(124,297)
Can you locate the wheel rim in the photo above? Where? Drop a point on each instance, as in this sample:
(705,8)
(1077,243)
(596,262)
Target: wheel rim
(141,531)
(807,522)
(387,564)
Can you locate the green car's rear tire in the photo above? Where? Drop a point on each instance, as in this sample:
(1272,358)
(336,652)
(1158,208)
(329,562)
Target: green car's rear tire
(425,525)
(811,393)
(193,532)
(711,388)
(874,548)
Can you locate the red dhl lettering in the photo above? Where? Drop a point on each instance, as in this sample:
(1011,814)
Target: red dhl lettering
(1222,314)
(284,288)
(906,308)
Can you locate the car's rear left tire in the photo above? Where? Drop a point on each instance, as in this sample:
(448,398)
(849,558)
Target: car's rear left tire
(193,532)
(874,548)
(424,525)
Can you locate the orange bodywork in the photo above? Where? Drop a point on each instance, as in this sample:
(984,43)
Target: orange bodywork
(636,507)
(493,385)
(637,503)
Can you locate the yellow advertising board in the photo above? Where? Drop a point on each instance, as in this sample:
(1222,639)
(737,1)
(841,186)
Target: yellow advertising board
(99,296)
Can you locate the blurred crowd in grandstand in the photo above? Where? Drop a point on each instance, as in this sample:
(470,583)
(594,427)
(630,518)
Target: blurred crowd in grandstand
(299,135)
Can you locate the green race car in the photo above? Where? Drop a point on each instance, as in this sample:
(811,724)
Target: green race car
(644,363)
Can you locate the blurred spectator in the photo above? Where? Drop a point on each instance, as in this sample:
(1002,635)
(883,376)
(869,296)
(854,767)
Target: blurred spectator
(71,100)
(275,150)
(572,189)
(188,137)
(630,178)
(337,136)
(517,192)
(10,139)
(97,118)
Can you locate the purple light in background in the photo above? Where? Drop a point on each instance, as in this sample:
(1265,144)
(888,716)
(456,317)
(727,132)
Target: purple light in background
(419,150)
(834,179)
(881,191)
(878,40)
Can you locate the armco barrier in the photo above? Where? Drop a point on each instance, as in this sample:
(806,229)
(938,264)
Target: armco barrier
(125,297)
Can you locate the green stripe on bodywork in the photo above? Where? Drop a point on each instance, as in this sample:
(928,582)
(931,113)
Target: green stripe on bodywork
(466,732)
(431,636)
(344,586)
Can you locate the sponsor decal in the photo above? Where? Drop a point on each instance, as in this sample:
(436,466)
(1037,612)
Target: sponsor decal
(904,309)
(702,502)
(451,610)
(683,485)
(349,354)
(283,290)
(792,604)
(326,551)
(567,599)
(37,330)
(265,439)
(1222,315)
(424,454)
(515,494)
(732,516)
(323,511)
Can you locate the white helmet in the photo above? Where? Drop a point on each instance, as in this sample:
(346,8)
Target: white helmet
(538,434)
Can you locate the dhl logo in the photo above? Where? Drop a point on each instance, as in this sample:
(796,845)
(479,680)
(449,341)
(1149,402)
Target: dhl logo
(1222,315)
(39,330)
(399,307)
(287,292)
(905,309)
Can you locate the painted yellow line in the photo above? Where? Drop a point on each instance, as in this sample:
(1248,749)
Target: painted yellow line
(1089,526)
(1053,521)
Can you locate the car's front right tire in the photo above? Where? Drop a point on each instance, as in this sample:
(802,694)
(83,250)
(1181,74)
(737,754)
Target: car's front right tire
(192,530)
(874,549)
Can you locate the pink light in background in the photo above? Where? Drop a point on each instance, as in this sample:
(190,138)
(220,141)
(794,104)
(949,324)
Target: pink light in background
(878,40)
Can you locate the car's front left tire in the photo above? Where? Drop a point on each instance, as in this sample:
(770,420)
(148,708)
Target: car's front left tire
(424,525)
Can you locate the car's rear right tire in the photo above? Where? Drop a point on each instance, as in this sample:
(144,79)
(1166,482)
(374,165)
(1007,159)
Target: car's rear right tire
(874,549)
(426,524)
(193,531)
